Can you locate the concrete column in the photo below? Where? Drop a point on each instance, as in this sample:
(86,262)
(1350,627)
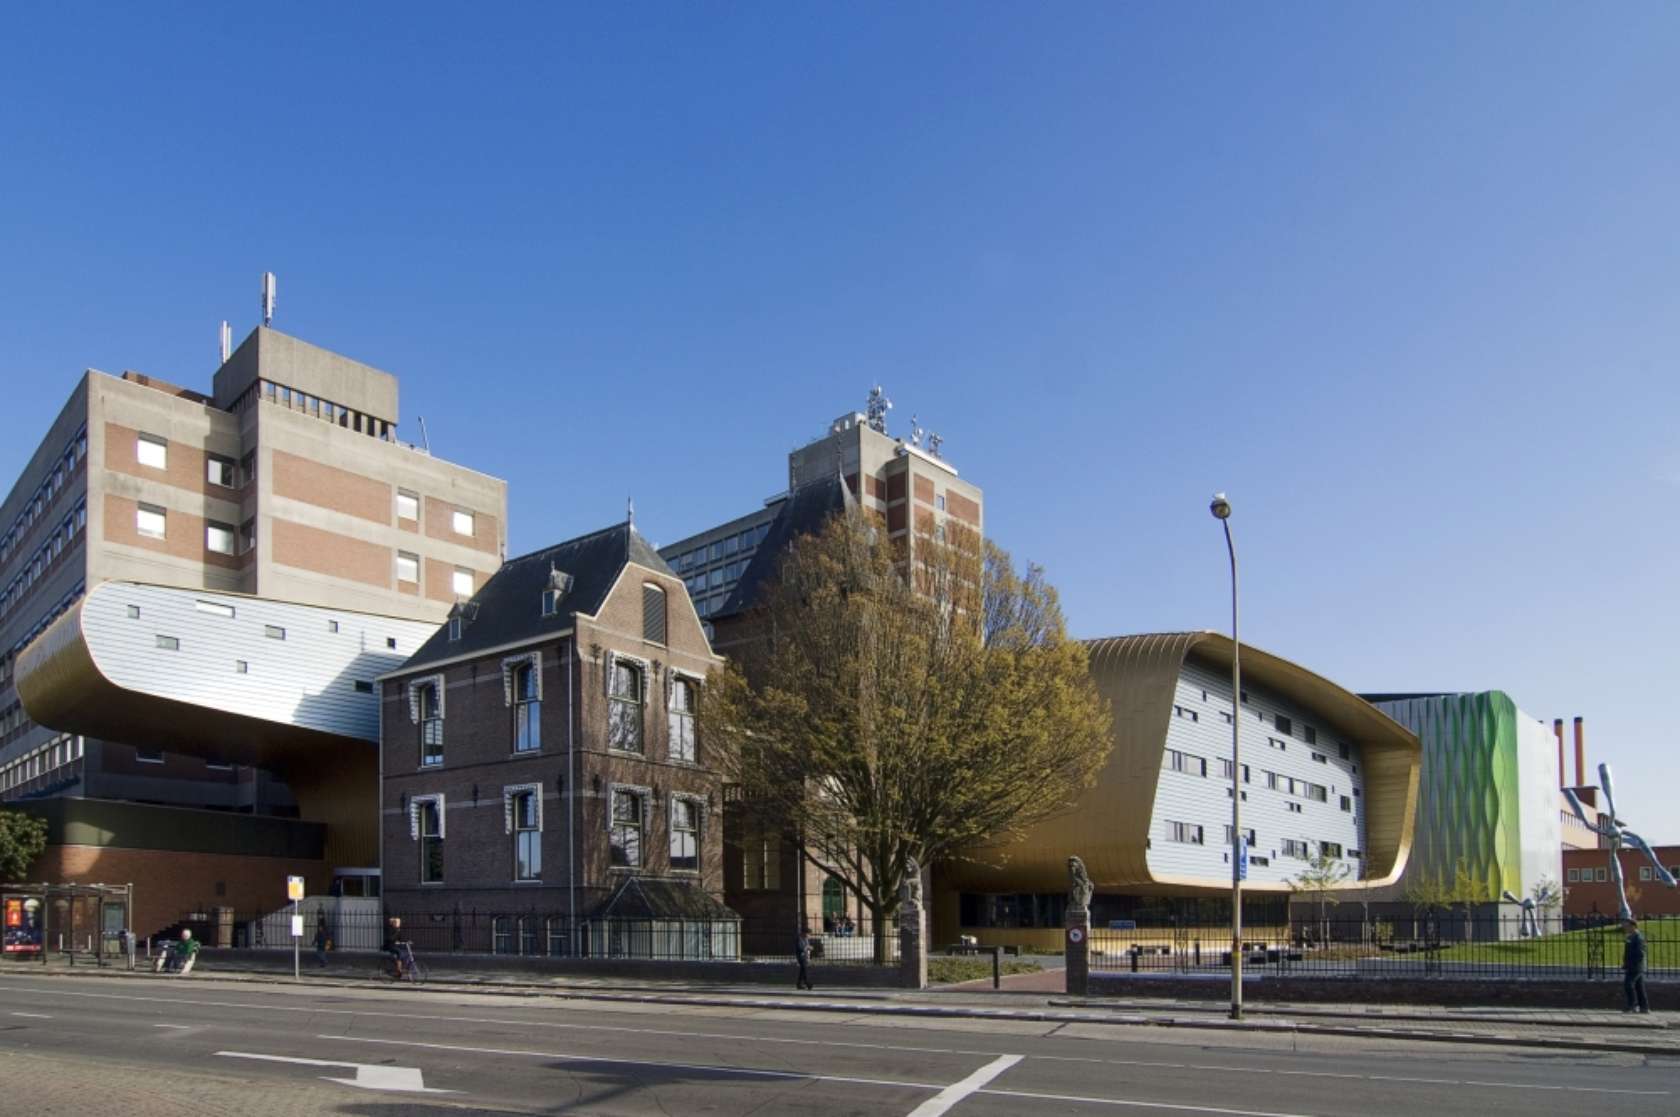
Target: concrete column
(1077,945)
(912,945)
(221,931)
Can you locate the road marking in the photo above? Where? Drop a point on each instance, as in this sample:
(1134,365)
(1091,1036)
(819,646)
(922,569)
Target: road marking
(1131,1103)
(182,1027)
(33,1015)
(368,1076)
(957,1091)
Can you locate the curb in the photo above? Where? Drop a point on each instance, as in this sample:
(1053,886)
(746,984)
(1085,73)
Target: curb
(1309,1011)
(924,1011)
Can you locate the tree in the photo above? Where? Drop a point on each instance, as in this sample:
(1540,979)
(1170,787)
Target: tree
(1464,891)
(22,839)
(1321,876)
(894,711)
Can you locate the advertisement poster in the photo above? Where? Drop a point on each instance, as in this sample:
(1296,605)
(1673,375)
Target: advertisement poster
(22,925)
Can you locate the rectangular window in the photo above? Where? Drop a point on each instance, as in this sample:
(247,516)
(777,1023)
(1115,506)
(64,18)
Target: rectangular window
(248,468)
(680,719)
(1184,762)
(1645,872)
(1330,849)
(527,836)
(248,536)
(1320,758)
(461,582)
(241,667)
(169,643)
(431,840)
(1227,769)
(363,687)
(431,726)
(214,608)
(626,838)
(527,710)
(462,522)
(1256,859)
(1189,833)
(152,451)
(1342,748)
(1248,835)
(408,505)
(1601,875)
(408,567)
(218,537)
(151,521)
(1284,725)
(685,835)
(274,632)
(1296,849)
(653,614)
(149,756)
(1347,803)
(1309,734)
(1574,876)
(624,707)
(220,471)
(1317,792)
(761,861)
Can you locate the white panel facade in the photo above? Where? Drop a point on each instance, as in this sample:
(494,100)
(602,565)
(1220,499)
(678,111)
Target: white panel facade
(1538,820)
(288,663)
(1200,730)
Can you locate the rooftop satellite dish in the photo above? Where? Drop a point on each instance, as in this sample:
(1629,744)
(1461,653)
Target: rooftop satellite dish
(267,297)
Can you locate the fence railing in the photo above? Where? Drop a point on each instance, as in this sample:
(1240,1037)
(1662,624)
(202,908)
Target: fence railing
(1446,944)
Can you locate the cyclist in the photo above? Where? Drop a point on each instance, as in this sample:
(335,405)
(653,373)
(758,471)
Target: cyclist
(392,946)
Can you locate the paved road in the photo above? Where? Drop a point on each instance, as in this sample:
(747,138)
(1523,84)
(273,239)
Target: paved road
(160,1046)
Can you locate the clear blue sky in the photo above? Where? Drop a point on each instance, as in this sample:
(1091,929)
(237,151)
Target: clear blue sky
(1402,279)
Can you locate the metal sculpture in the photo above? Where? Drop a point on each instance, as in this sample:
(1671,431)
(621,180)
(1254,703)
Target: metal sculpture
(1610,828)
(1530,928)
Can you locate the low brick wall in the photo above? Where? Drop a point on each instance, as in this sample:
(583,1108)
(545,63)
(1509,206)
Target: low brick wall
(1594,994)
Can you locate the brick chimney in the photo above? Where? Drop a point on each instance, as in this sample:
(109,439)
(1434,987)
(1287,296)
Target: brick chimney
(1557,731)
(1580,754)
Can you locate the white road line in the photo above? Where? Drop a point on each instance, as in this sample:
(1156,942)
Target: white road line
(957,1091)
(33,1015)
(1131,1103)
(182,1027)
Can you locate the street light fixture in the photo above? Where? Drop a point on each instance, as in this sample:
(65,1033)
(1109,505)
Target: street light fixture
(1221,509)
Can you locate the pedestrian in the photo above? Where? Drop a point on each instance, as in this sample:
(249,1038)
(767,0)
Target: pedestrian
(802,954)
(1633,968)
(321,939)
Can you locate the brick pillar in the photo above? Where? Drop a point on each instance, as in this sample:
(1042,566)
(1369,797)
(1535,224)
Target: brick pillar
(221,929)
(1077,944)
(912,945)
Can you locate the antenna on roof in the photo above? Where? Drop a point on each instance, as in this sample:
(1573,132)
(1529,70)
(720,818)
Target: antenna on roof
(630,510)
(916,432)
(878,406)
(424,441)
(227,341)
(267,298)
(935,441)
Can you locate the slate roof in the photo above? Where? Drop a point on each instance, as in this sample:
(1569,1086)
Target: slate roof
(508,608)
(641,898)
(804,512)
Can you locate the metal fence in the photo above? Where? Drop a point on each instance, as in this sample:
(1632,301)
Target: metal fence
(1445,944)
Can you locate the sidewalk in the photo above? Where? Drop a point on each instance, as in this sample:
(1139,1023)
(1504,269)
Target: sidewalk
(1606,1031)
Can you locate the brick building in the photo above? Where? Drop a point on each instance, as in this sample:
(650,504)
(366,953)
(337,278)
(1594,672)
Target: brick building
(1588,891)
(541,776)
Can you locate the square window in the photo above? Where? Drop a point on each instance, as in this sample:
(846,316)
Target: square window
(462,522)
(134,612)
(408,505)
(274,632)
(218,537)
(332,626)
(151,521)
(408,567)
(461,582)
(169,643)
(220,471)
(241,667)
(152,451)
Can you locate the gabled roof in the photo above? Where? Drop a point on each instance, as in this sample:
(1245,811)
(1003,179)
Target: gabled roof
(508,608)
(804,512)
(643,898)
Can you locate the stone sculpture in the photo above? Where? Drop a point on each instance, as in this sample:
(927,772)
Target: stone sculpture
(910,892)
(1617,835)
(1079,884)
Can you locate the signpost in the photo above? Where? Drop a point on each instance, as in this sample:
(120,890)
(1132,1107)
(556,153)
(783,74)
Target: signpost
(294,893)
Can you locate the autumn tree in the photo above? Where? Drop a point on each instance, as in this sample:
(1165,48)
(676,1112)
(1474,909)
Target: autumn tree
(22,839)
(895,709)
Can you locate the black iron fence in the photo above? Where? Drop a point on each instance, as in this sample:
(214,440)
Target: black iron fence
(1450,944)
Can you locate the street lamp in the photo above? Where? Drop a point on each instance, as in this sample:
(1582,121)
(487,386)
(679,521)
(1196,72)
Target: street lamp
(1221,509)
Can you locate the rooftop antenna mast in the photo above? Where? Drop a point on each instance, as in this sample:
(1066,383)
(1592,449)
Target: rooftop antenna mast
(268,298)
(878,406)
(425,442)
(227,341)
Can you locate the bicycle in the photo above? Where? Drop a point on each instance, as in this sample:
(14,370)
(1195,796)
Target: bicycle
(407,967)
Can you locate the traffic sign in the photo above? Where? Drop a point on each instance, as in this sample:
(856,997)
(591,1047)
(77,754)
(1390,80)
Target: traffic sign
(294,888)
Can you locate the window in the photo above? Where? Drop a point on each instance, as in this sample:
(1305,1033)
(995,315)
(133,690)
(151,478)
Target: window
(152,451)
(1188,832)
(169,643)
(624,706)
(214,608)
(1347,803)
(1256,859)
(241,667)
(430,811)
(1294,808)
(1296,849)
(150,521)
(1184,762)
(1281,746)
(1342,749)
(363,687)
(550,602)
(1284,725)
(218,537)
(431,724)
(527,709)
(939,502)
(274,632)
(455,627)
(248,468)
(1330,849)
(1309,734)
(1320,758)
(220,471)
(1317,792)
(626,823)
(680,720)
(462,522)
(248,536)
(1644,872)
(408,505)
(332,626)
(1574,876)
(1601,875)
(685,835)
(1275,782)
(761,861)
(408,567)
(1183,712)
(653,614)
(1227,768)
(149,756)
(461,582)
(1248,835)
(527,835)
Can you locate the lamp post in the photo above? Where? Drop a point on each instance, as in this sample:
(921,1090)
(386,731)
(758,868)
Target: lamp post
(1221,509)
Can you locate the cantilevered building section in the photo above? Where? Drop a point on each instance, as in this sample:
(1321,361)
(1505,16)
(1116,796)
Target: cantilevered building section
(1323,773)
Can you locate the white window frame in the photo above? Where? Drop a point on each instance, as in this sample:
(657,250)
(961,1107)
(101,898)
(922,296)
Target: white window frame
(229,533)
(413,558)
(699,832)
(509,794)
(646,795)
(673,677)
(151,451)
(414,805)
(613,659)
(405,495)
(161,514)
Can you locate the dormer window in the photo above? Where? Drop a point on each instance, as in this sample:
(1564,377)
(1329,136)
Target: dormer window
(559,584)
(455,627)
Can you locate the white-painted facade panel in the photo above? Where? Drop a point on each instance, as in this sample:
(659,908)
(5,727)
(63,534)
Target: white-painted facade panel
(1200,731)
(301,663)
(1538,819)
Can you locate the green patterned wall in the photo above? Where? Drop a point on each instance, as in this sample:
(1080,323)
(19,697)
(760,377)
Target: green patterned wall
(1468,795)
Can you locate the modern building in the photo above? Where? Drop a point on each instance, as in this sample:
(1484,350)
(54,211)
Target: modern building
(905,480)
(543,788)
(1324,774)
(1489,800)
(284,482)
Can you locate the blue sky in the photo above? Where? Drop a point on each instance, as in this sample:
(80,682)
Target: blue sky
(1402,279)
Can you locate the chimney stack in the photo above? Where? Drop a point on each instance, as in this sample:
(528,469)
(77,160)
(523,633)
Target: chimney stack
(1557,731)
(1580,754)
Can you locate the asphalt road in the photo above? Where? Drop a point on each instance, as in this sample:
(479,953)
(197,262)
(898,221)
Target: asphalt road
(166,1046)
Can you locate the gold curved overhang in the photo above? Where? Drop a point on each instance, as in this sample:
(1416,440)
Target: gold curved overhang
(61,686)
(1108,825)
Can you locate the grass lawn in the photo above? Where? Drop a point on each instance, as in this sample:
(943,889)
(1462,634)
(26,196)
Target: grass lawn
(1662,944)
(949,971)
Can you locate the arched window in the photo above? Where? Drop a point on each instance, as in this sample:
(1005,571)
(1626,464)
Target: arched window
(527,709)
(653,613)
(431,725)
(680,717)
(624,714)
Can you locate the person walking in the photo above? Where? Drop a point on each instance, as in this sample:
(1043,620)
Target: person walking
(1633,968)
(321,939)
(802,954)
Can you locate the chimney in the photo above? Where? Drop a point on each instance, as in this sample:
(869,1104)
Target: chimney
(1557,731)
(1580,754)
